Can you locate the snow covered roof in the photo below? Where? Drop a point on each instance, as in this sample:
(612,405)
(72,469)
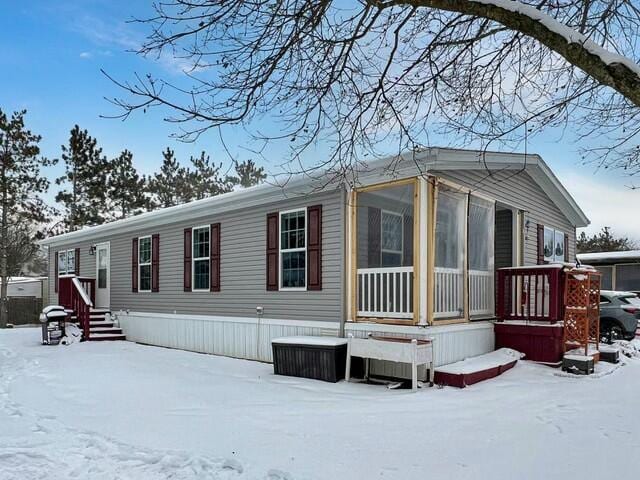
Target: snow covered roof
(385,169)
(609,257)
(14,280)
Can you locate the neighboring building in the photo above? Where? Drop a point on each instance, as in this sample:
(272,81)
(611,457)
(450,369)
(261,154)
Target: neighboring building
(36,287)
(412,251)
(26,296)
(620,270)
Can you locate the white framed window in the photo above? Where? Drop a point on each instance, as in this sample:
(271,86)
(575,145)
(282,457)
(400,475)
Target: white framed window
(391,238)
(558,249)
(553,245)
(144,264)
(66,262)
(549,243)
(293,249)
(200,262)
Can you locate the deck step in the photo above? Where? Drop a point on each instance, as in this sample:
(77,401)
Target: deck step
(97,337)
(100,324)
(114,331)
(99,310)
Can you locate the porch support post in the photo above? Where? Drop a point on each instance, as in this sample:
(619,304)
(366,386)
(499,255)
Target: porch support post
(432,200)
(422,242)
(465,271)
(352,286)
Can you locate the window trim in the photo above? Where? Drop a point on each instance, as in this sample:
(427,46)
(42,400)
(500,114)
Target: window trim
(194,259)
(140,264)
(66,262)
(290,250)
(382,249)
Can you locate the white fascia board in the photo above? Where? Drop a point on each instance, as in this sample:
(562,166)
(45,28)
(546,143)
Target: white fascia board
(421,163)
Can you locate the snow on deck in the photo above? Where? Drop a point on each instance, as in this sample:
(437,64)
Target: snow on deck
(101,410)
(499,358)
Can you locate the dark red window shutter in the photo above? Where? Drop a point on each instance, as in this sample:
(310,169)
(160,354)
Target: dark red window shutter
(155,262)
(55,272)
(134,265)
(314,247)
(187,260)
(76,266)
(374,237)
(214,259)
(540,232)
(566,247)
(272,251)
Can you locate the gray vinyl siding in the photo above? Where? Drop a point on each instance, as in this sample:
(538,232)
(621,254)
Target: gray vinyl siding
(523,192)
(242,267)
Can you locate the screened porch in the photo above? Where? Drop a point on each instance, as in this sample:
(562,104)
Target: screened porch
(403,228)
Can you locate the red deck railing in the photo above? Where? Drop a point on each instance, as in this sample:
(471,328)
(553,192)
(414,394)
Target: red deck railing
(533,293)
(78,294)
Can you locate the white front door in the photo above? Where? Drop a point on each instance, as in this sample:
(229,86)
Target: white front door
(103,275)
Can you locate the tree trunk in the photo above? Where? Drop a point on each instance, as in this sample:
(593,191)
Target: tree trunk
(4,233)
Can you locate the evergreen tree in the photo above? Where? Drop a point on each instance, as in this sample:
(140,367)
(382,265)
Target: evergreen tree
(86,173)
(205,179)
(248,174)
(169,186)
(126,189)
(175,184)
(604,241)
(21,185)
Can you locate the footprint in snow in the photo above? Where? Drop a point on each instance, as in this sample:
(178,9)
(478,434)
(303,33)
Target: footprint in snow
(232,465)
(278,475)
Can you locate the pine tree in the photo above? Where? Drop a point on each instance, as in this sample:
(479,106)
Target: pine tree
(205,179)
(86,173)
(248,174)
(126,189)
(21,185)
(169,186)
(604,241)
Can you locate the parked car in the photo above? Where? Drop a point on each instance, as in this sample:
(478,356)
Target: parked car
(619,315)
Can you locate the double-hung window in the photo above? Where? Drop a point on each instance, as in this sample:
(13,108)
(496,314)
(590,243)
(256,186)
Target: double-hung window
(201,258)
(66,262)
(391,225)
(144,264)
(293,249)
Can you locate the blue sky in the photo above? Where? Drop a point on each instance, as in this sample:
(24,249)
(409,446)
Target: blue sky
(51,54)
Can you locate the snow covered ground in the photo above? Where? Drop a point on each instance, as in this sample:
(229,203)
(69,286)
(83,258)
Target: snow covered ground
(125,411)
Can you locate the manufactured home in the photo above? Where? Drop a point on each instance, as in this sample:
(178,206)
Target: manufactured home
(619,270)
(410,247)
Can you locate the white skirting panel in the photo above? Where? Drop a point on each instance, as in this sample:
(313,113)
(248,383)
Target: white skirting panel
(451,343)
(237,337)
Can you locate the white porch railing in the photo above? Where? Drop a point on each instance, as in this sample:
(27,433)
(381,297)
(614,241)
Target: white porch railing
(449,293)
(481,293)
(385,292)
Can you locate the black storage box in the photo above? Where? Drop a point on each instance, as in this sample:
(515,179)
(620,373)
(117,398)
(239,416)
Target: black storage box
(608,354)
(320,358)
(578,364)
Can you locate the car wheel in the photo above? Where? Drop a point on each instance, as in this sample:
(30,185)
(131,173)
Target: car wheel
(611,333)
